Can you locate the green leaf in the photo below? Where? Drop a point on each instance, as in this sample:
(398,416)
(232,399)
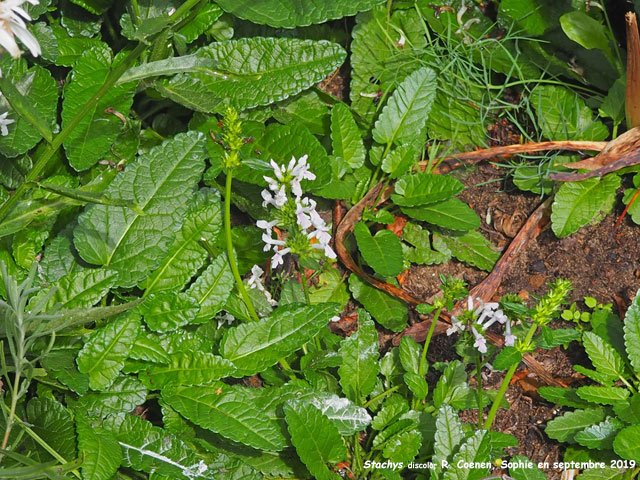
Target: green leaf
(552,337)
(343,414)
(30,125)
(100,450)
(123,395)
(345,137)
(563,396)
(81,289)
(528,472)
(307,108)
(161,182)
(417,384)
(330,288)
(103,355)
(474,451)
(452,386)
(148,349)
(316,439)
(604,357)
(51,421)
(151,449)
(205,18)
(471,248)
(448,436)
(187,368)
(390,312)
(166,311)
(392,409)
(258,71)
(226,411)
(404,447)
(421,251)
(71,48)
(255,346)
(600,436)
(359,370)
(452,214)
(410,353)
(91,138)
(603,395)
(399,160)
(424,189)
(294,13)
(61,365)
(382,252)
(507,357)
(14,170)
(579,203)
(530,16)
(212,288)
(587,31)
(632,332)
(404,117)
(627,443)
(97,7)
(563,115)
(565,428)
(168,66)
(607,473)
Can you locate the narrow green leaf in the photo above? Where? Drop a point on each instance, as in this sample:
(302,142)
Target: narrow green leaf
(316,440)
(253,347)
(228,412)
(187,368)
(410,353)
(169,66)
(294,13)
(425,188)
(404,117)
(452,214)
(603,395)
(87,197)
(345,136)
(100,450)
(103,355)
(565,428)
(359,370)
(388,311)
(382,252)
(632,332)
(95,133)
(579,203)
(162,181)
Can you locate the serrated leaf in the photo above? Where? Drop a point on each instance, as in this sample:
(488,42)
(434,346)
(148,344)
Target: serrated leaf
(307,108)
(603,395)
(151,449)
(452,214)
(528,472)
(565,428)
(417,384)
(51,421)
(382,252)
(187,368)
(393,407)
(166,311)
(161,182)
(82,289)
(607,473)
(474,451)
(629,411)
(38,90)
(387,311)
(360,368)
(345,137)
(97,7)
(579,203)
(212,288)
(294,13)
(330,288)
(632,332)
(471,248)
(103,355)
(424,189)
(61,365)
(600,436)
(100,450)
(448,436)
(347,417)
(563,396)
(316,439)
(507,357)
(186,255)
(451,385)
(421,251)
(148,349)
(410,353)
(122,396)
(404,447)
(564,116)
(604,357)
(627,443)
(257,71)
(91,138)
(404,117)
(551,338)
(255,346)
(399,160)
(226,411)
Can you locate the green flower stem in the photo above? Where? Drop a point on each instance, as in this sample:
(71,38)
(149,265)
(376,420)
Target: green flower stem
(507,379)
(628,385)
(287,368)
(305,287)
(230,254)
(381,396)
(427,341)
(479,387)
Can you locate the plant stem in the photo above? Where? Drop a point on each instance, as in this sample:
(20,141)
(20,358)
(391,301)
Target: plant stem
(381,396)
(230,254)
(479,387)
(427,341)
(305,287)
(287,368)
(507,379)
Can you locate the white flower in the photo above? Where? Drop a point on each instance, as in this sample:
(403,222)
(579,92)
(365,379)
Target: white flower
(4,121)
(335,318)
(267,226)
(255,281)
(277,258)
(481,342)
(456,325)
(12,25)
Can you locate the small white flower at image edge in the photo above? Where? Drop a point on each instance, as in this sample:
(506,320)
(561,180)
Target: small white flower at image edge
(12,25)
(4,122)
